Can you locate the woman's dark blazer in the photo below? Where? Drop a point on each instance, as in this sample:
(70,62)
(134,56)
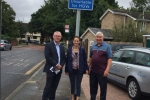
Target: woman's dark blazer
(82,61)
(52,57)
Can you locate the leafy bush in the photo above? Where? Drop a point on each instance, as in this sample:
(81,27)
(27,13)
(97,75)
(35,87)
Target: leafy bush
(6,37)
(20,41)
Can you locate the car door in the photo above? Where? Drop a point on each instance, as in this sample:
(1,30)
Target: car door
(6,44)
(114,71)
(141,70)
(9,45)
(124,66)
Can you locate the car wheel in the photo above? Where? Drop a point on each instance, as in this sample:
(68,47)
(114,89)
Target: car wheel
(10,47)
(4,48)
(133,88)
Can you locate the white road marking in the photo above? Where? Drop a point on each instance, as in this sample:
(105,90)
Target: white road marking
(25,60)
(10,63)
(14,73)
(25,65)
(20,64)
(21,59)
(16,64)
(15,59)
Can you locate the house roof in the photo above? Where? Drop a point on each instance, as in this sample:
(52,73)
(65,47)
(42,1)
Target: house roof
(25,25)
(133,15)
(106,32)
(33,34)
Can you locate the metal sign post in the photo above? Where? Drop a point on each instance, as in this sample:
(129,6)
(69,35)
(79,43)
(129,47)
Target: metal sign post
(67,30)
(78,22)
(68,34)
(80,5)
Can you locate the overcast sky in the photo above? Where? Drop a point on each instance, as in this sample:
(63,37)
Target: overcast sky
(24,8)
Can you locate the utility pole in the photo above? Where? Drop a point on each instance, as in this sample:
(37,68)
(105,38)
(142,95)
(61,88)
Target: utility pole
(144,8)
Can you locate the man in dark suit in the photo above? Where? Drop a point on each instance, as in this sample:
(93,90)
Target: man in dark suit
(55,60)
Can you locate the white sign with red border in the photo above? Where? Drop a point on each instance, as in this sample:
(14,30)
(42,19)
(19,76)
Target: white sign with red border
(67,28)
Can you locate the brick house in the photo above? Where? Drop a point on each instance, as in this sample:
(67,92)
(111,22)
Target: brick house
(111,18)
(117,17)
(31,37)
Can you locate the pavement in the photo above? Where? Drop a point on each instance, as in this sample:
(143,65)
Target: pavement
(20,46)
(32,89)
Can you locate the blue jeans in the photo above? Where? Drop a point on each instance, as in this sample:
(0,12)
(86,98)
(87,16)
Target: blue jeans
(94,80)
(75,81)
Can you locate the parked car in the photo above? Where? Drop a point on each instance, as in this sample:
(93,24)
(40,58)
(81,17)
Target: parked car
(133,47)
(115,47)
(131,69)
(5,45)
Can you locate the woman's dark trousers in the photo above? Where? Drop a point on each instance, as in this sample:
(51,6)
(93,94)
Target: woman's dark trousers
(75,80)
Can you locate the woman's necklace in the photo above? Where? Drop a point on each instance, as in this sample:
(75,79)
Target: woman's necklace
(76,49)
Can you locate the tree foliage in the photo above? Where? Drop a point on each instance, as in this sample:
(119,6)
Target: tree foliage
(139,5)
(55,14)
(9,29)
(128,33)
(22,28)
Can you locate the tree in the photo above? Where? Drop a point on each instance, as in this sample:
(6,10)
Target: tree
(9,29)
(55,14)
(140,5)
(22,28)
(50,17)
(128,33)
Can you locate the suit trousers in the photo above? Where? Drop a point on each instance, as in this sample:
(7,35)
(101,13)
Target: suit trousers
(52,81)
(75,80)
(94,80)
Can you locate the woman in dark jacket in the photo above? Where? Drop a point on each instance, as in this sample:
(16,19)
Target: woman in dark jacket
(76,66)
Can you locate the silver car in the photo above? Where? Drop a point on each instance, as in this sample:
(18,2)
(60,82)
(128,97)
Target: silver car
(5,45)
(131,69)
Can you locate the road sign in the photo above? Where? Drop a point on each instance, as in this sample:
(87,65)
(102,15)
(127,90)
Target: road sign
(67,28)
(80,4)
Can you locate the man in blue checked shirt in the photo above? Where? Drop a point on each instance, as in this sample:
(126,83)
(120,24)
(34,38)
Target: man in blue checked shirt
(99,63)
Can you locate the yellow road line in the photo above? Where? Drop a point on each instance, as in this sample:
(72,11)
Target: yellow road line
(34,68)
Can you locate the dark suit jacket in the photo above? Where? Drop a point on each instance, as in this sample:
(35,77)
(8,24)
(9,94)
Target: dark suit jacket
(51,56)
(82,61)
